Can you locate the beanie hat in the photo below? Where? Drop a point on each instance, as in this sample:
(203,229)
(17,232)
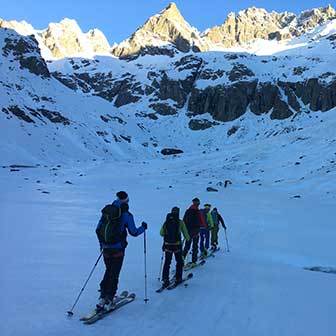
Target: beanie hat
(175,210)
(196,200)
(122,195)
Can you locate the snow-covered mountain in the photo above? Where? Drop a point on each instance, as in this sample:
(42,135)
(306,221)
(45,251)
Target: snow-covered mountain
(65,91)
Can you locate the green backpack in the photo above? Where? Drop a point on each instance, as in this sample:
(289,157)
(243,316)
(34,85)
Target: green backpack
(109,231)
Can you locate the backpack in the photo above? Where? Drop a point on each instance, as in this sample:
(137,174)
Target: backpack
(191,220)
(215,219)
(172,232)
(109,231)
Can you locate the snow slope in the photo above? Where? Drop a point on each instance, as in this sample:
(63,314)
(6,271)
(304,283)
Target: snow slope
(259,288)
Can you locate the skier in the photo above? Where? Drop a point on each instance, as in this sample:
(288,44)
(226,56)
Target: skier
(205,230)
(217,218)
(111,231)
(171,232)
(193,220)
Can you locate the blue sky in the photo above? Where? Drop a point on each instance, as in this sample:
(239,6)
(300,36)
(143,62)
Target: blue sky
(118,19)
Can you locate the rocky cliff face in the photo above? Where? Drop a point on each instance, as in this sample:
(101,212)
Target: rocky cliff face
(312,18)
(164,33)
(248,25)
(256,23)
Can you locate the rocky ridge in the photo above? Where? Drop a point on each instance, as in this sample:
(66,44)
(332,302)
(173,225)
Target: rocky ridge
(168,33)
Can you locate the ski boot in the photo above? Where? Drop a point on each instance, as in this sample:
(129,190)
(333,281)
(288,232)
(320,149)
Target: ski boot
(101,305)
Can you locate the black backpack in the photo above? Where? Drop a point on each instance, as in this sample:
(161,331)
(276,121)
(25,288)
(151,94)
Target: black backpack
(109,231)
(172,232)
(191,220)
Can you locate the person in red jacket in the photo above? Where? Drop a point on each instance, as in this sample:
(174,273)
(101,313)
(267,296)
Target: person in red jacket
(193,220)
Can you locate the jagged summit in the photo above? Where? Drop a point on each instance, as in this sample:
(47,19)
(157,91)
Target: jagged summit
(309,19)
(66,39)
(172,12)
(163,33)
(247,25)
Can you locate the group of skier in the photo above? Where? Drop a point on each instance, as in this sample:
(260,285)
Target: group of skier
(197,226)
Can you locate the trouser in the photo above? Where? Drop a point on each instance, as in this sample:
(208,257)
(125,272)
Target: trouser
(194,243)
(214,235)
(169,251)
(205,239)
(113,260)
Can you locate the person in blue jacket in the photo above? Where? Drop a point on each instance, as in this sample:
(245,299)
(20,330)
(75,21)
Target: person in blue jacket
(116,221)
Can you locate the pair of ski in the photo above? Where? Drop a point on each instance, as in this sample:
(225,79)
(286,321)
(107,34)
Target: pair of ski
(211,253)
(190,265)
(173,284)
(119,301)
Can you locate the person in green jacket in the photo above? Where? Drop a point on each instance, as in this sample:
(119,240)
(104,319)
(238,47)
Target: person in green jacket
(172,244)
(216,218)
(205,230)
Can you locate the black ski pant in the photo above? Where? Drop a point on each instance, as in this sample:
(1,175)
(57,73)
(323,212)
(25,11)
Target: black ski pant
(113,260)
(169,251)
(187,245)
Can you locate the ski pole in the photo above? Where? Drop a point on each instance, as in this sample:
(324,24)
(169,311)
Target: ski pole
(70,312)
(227,242)
(161,264)
(145,261)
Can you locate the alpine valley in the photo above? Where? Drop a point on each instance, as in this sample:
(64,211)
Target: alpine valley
(241,115)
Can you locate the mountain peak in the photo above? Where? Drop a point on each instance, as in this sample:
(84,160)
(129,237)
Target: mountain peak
(65,24)
(66,39)
(171,7)
(171,11)
(164,33)
(21,27)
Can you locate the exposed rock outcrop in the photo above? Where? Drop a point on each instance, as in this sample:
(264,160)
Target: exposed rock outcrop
(171,151)
(163,109)
(201,124)
(25,49)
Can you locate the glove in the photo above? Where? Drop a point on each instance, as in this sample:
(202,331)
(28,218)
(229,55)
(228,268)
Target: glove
(144,225)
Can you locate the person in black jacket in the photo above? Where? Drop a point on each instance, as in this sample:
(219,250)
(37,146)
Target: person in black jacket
(193,220)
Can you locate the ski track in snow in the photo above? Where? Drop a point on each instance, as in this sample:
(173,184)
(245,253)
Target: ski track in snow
(48,246)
